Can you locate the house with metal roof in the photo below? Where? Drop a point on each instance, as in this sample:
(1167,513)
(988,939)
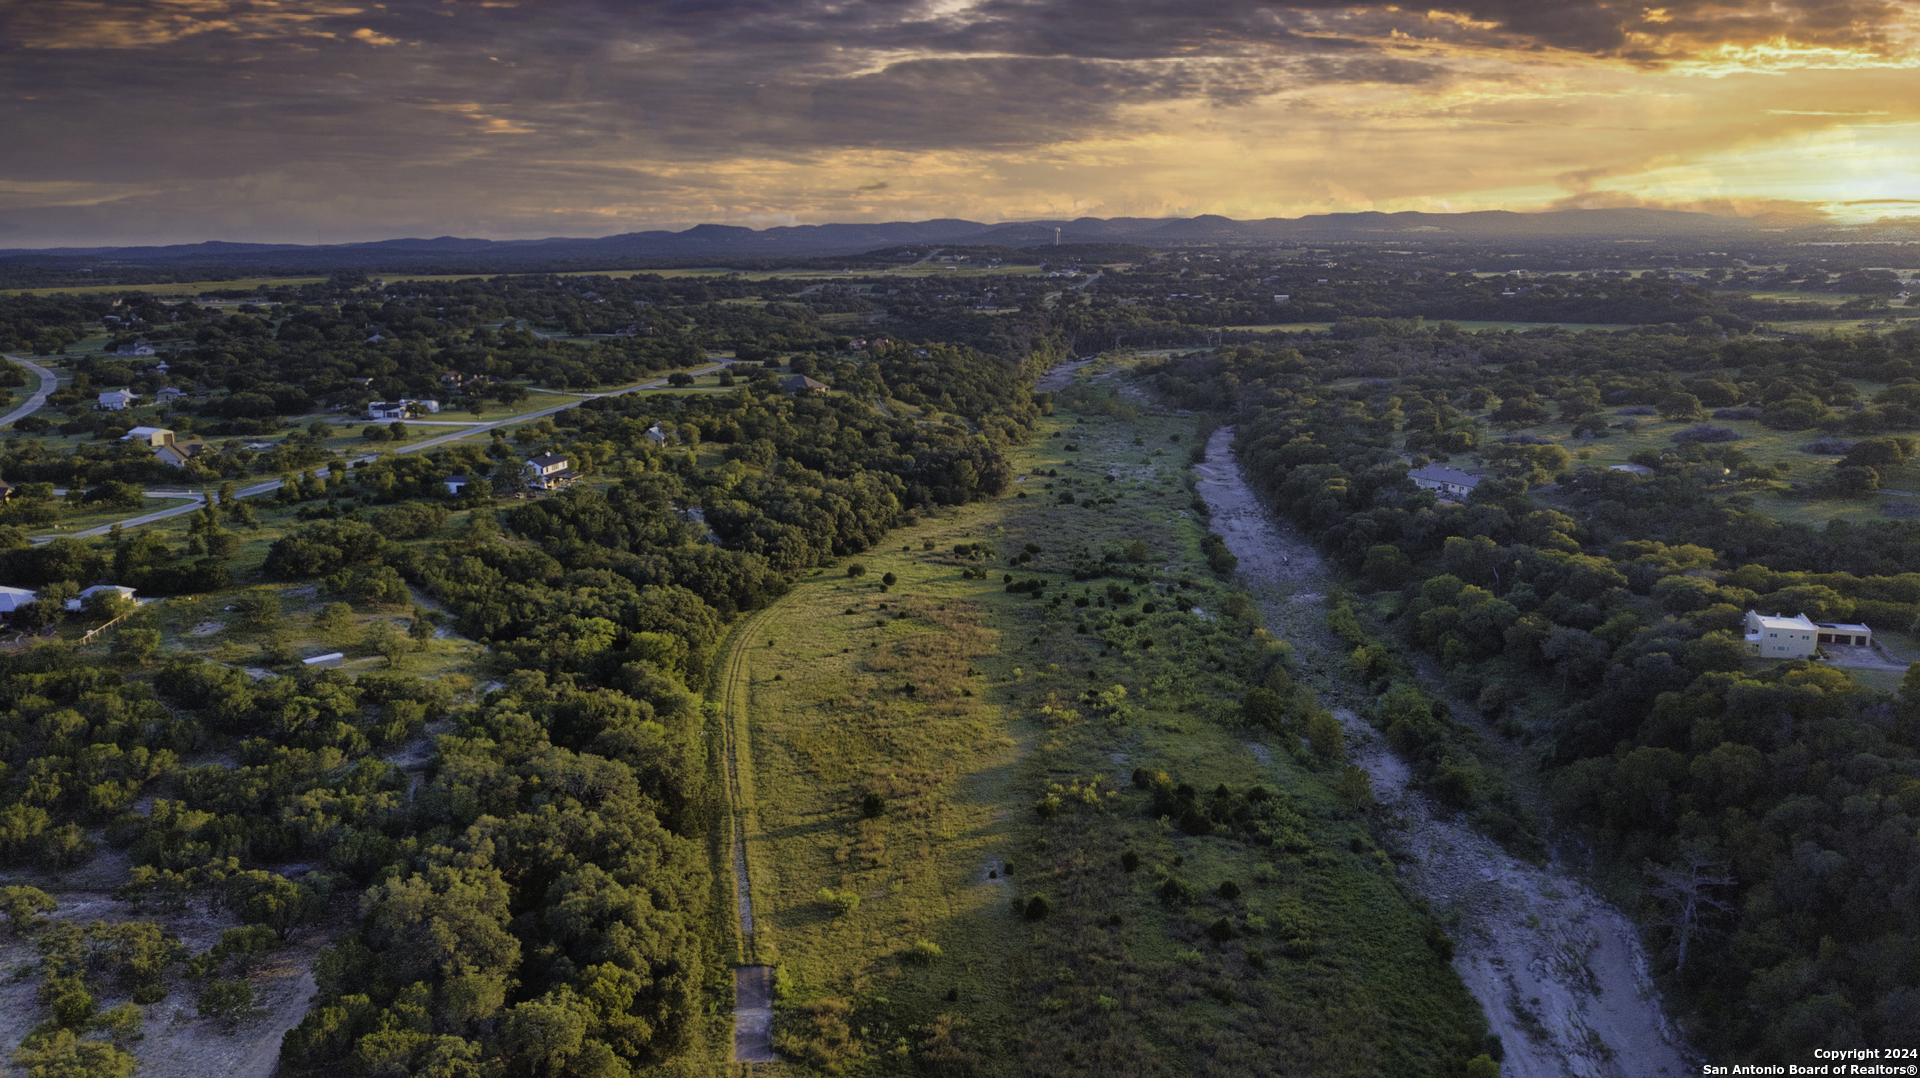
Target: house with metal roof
(1451,482)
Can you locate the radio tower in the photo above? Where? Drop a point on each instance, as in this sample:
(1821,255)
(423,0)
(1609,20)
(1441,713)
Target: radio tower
(1056,235)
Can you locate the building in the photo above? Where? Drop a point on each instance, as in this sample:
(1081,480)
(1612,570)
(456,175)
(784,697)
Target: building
(549,471)
(178,453)
(1781,637)
(81,602)
(1451,482)
(134,350)
(800,383)
(155,436)
(117,400)
(1832,632)
(1630,469)
(169,394)
(12,599)
(456,484)
(658,434)
(404,408)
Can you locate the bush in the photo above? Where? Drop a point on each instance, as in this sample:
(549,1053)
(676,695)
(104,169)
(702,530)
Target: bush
(1706,432)
(227,999)
(1037,908)
(924,953)
(841,902)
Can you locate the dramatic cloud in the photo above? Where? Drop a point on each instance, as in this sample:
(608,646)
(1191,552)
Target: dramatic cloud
(137,120)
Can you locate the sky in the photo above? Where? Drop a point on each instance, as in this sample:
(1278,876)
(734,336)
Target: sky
(170,121)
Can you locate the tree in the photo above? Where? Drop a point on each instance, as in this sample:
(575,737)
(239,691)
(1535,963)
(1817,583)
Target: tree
(135,647)
(259,608)
(1678,406)
(60,1053)
(22,904)
(272,900)
(391,643)
(228,1000)
(1684,890)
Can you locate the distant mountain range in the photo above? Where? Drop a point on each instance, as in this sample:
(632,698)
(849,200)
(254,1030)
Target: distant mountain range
(728,242)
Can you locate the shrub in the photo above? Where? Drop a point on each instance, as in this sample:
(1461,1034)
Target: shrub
(1037,908)
(924,953)
(227,999)
(1706,432)
(841,902)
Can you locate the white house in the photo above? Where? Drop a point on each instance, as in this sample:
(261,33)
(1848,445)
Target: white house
(167,394)
(81,602)
(12,599)
(1631,469)
(404,408)
(1448,481)
(155,436)
(134,350)
(1781,637)
(117,400)
(456,484)
(656,433)
(549,471)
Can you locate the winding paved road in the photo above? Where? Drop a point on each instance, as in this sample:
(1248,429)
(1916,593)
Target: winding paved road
(272,485)
(48,382)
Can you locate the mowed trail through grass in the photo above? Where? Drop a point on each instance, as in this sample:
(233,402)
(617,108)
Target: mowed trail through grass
(874,773)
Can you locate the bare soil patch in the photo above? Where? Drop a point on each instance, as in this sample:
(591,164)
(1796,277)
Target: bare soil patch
(176,1041)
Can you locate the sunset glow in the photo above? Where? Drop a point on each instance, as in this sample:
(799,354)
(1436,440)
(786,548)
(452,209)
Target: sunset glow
(171,120)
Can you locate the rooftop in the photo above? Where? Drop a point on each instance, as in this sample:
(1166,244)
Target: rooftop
(1440,473)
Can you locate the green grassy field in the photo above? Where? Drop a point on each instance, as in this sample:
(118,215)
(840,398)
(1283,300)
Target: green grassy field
(929,753)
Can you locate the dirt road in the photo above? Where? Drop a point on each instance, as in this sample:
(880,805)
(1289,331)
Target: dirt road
(1559,972)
